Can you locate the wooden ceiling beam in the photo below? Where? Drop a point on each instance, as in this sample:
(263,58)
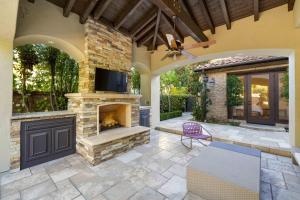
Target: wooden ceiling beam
(256,9)
(87,11)
(68,7)
(127,12)
(156,28)
(178,34)
(172,10)
(143,22)
(101,7)
(291,4)
(144,31)
(163,38)
(31,1)
(145,39)
(207,16)
(225,13)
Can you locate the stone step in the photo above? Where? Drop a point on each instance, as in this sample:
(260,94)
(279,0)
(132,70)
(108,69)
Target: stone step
(263,127)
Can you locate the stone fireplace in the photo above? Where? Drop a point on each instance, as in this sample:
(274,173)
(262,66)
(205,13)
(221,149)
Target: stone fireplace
(113,115)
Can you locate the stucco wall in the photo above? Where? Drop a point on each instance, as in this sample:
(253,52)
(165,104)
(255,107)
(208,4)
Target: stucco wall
(43,22)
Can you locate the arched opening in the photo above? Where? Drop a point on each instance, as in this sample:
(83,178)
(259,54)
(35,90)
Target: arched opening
(42,75)
(289,53)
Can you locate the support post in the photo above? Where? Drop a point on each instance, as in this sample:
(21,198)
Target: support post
(155,100)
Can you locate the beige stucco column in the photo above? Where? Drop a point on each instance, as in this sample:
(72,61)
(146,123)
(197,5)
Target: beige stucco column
(146,89)
(155,99)
(8,17)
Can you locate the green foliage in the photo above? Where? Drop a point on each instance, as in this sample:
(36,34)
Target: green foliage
(42,105)
(179,91)
(285,85)
(51,71)
(177,102)
(200,109)
(135,80)
(170,115)
(234,90)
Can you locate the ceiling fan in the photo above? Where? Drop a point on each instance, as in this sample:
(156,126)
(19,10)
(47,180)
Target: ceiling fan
(175,49)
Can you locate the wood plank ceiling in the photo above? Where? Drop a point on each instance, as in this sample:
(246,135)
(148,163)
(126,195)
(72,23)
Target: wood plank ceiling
(147,21)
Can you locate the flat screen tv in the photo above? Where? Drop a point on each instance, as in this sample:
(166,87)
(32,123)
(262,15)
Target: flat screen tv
(108,80)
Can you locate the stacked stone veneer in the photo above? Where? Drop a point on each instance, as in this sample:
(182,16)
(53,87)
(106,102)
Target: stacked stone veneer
(85,105)
(217,94)
(104,48)
(96,154)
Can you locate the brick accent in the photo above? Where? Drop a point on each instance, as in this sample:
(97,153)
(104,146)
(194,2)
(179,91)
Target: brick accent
(104,48)
(217,95)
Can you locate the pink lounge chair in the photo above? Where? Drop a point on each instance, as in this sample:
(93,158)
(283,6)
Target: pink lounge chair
(193,130)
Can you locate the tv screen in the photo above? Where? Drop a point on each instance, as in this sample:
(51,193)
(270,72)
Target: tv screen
(107,80)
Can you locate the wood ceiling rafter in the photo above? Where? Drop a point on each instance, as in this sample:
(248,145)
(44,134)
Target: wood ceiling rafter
(144,31)
(87,11)
(68,7)
(225,13)
(100,9)
(256,9)
(291,4)
(207,16)
(145,39)
(156,28)
(168,7)
(150,16)
(178,34)
(127,12)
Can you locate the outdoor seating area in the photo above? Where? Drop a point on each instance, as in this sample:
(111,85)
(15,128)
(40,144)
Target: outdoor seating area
(149,100)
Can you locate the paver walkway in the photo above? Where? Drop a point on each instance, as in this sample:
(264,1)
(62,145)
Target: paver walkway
(154,171)
(263,138)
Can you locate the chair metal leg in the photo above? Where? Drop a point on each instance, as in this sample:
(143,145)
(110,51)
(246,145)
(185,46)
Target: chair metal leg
(191,143)
(184,144)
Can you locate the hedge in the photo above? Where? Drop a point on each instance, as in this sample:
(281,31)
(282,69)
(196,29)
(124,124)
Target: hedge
(170,115)
(177,103)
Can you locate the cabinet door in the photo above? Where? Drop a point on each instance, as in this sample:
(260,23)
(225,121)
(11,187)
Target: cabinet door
(62,138)
(37,144)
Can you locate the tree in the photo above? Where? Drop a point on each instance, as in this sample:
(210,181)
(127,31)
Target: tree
(168,80)
(235,90)
(27,57)
(285,85)
(135,80)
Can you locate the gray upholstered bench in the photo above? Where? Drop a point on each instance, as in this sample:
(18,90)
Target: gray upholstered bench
(225,171)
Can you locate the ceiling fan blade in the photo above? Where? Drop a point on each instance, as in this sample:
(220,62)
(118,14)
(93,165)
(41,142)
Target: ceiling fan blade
(188,54)
(200,44)
(163,58)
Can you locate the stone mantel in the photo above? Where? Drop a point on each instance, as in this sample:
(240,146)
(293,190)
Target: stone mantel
(103,95)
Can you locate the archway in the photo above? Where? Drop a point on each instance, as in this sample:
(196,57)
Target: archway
(290,53)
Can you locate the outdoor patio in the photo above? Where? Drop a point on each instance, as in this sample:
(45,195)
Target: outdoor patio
(151,171)
(269,139)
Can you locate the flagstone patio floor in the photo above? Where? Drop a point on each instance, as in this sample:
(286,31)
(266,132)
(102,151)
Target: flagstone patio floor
(154,171)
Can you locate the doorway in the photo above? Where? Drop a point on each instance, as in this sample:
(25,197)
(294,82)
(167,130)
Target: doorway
(260,98)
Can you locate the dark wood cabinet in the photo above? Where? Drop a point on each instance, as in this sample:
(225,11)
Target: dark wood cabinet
(46,140)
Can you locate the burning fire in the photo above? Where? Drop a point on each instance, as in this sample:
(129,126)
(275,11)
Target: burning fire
(109,121)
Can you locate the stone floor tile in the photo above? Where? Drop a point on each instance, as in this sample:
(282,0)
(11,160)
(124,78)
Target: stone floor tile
(168,174)
(160,165)
(164,154)
(265,191)
(178,170)
(175,188)
(38,190)
(269,156)
(57,165)
(129,156)
(292,182)
(14,196)
(147,194)
(154,180)
(264,163)
(277,165)
(63,174)
(124,189)
(8,177)
(24,183)
(272,177)
(99,197)
(80,198)
(191,196)
(283,194)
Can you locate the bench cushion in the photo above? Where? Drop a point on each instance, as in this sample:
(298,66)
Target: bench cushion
(237,148)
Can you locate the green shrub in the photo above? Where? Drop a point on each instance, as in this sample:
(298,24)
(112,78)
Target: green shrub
(170,115)
(177,102)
